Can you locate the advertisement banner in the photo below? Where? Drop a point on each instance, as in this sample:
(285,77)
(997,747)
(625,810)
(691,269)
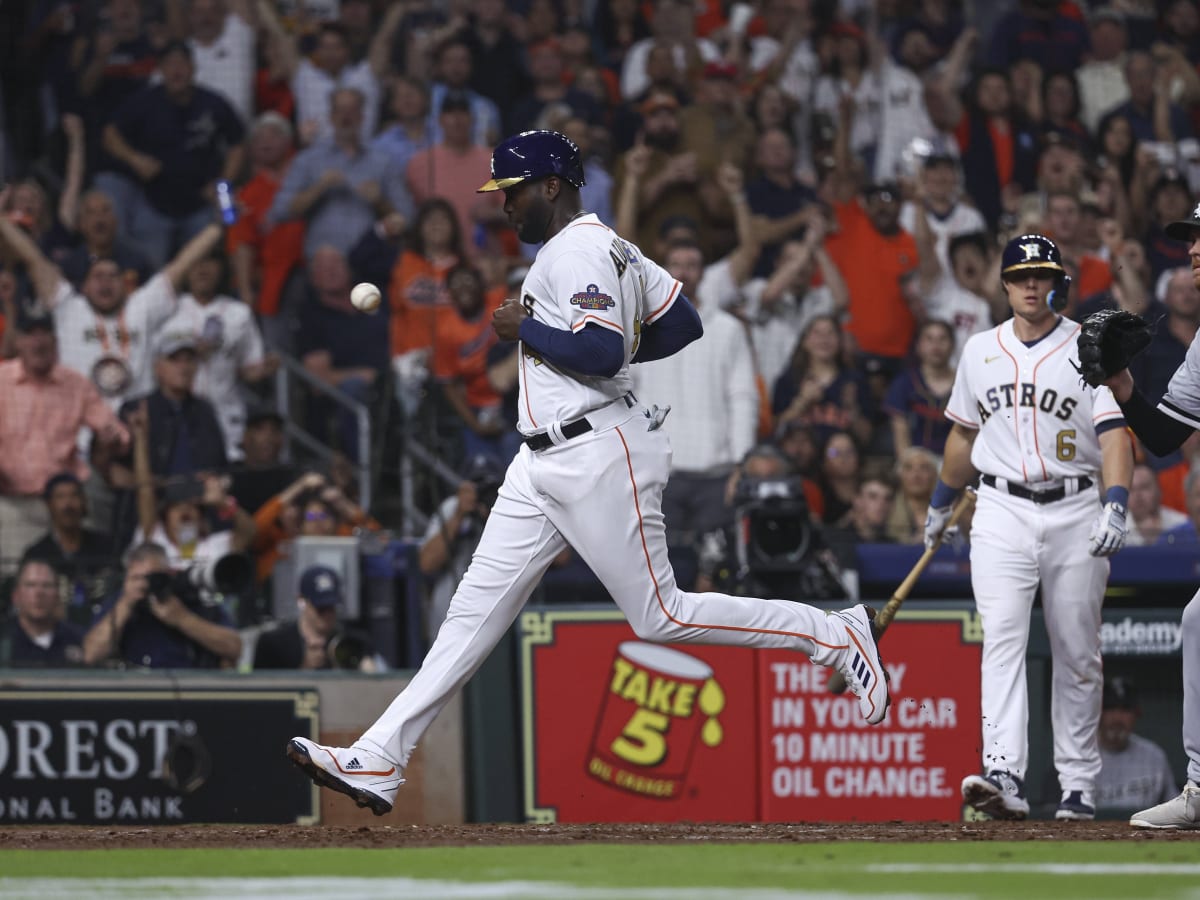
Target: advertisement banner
(149,757)
(620,730)
(822,762)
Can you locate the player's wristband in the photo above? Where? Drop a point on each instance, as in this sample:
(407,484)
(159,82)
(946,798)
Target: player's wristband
(943,495)
(1117,494)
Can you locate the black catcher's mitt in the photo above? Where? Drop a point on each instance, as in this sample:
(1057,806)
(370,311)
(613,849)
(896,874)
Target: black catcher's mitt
(1108,340)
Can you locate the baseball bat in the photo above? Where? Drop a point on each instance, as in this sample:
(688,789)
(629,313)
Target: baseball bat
(883,618)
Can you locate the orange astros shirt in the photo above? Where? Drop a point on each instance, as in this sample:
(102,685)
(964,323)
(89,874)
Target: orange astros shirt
(873,266)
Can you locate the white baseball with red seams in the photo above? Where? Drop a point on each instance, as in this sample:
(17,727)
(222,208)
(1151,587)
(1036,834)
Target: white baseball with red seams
(1036,429)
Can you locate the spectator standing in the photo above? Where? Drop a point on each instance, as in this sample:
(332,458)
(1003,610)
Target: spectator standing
(778,199)
(339,346)
(710,388)
(1101,79)
(1038,30)
(266,257)
(549,90)
(498,68)
(262,472)
(674,30)
(663,181)
(1134,772)
(410,131)
(228,343)
(884,302)
(1168,347)
(452,68)
(111,61)
(101,238)
(437,171)
(460,353)
(1149,109)
(958,295)
(417,293)
(104,332)
(779,309)
(184,433)
(340,186)
(1148,518)
(317,81)
(157,630)
(176,139)
(938,195)
(37,636)
(45,406)
(86,559)
(222,38)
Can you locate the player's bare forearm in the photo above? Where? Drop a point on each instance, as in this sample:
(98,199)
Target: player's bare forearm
(957,471)
(1116,458)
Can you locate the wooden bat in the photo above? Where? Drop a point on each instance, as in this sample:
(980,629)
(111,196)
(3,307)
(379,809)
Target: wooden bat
(883,618)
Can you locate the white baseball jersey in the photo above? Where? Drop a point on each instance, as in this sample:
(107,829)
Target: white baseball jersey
(586,275)
(967,313)
(961,219)
(229,340)
(85,336)
(1035,423)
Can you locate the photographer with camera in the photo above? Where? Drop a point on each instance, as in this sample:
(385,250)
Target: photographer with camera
(315,639)
(774,547)
(157,620)
(452,534)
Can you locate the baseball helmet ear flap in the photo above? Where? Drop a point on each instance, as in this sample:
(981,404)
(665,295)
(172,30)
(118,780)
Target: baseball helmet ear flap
(1058,297)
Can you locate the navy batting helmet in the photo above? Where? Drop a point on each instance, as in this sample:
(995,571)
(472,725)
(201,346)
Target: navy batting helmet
(531,155)
(1036,251)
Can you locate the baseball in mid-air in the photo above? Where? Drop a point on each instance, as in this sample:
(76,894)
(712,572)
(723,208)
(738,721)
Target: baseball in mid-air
(365,297)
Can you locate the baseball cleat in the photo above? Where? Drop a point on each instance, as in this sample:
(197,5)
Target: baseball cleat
(1181,813)
(370,780)
(1000,795)
(1076,806)
(861,665)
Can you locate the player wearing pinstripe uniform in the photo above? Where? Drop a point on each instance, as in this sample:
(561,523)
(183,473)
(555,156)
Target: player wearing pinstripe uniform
(1038,438)
(590,474)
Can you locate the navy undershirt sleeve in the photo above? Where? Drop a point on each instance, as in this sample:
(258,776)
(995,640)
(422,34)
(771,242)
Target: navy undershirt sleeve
(594,350)
(674,330)
(1159,432)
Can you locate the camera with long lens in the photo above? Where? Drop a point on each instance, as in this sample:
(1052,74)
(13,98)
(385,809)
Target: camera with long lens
(229,574)
(487,475)
(780,550)
(346,651)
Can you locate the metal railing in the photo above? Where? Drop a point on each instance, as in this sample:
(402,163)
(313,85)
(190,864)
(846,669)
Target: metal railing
(291,368)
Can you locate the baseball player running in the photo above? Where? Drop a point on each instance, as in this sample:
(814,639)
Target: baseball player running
(1163,430)
(1037,438)
(590,474)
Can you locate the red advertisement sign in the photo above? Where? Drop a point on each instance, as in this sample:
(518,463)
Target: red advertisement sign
(821,762)
(620,730)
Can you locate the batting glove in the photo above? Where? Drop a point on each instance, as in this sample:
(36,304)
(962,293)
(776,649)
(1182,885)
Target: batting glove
(1109,531)
(935,526)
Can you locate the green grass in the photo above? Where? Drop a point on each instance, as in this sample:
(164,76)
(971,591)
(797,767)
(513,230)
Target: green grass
(844,867)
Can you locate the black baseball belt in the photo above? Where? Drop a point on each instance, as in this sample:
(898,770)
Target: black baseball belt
(572,429)
(1048,496)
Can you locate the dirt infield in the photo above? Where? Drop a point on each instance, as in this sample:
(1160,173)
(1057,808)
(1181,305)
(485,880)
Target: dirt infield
(383,836)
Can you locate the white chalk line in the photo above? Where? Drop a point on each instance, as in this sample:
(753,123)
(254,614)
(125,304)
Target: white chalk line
(328,888)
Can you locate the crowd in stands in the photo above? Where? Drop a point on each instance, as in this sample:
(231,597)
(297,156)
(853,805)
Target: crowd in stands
(830,181)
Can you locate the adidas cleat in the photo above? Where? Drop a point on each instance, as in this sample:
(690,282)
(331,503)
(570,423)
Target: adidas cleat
(370,780)
(861,665)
